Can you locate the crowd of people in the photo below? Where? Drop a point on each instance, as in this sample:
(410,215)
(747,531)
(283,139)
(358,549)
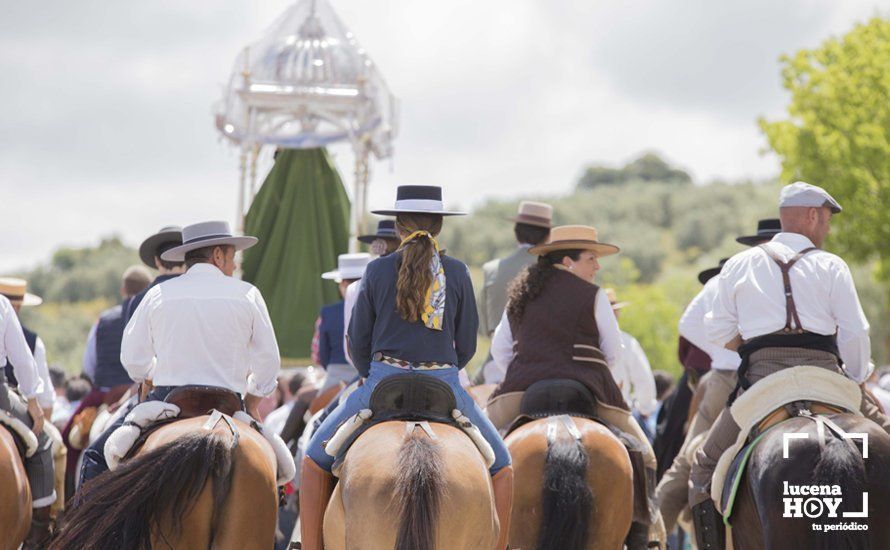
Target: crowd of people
(408,307)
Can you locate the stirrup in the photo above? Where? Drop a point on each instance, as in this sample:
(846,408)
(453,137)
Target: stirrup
(709,531)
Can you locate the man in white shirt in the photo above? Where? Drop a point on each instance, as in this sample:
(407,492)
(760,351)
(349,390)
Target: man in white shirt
(202,328)
(27,408)
(632,371)
(781,305)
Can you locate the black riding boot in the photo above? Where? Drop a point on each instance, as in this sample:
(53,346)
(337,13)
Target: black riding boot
(710,533)
(41,529)
(638,536)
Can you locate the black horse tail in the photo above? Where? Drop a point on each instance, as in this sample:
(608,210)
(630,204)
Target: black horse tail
(567,500)
(121,508)
(840,465)
(418,492)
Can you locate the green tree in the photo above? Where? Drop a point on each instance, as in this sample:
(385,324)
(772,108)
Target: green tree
(838,133)
(649,167)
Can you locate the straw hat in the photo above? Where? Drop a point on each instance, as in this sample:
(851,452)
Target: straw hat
(613,299)
(574,237)
(200,235)
(539,214)
(14,289)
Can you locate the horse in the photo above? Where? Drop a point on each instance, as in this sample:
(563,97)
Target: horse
(757,517)
(15,494)
(187,487)
(403,489)
(573,486)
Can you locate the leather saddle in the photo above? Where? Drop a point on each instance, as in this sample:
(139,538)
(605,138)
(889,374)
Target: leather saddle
(198,400)
(553,398)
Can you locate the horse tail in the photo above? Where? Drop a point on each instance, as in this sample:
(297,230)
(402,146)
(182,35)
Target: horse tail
(840,465)
(122,508)
(418,491)
(566,498)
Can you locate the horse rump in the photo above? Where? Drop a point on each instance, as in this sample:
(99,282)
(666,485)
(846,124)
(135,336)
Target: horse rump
(123,507)
(418,492)
(567,500)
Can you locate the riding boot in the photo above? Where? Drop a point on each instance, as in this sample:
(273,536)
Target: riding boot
(502,484)
(638,536)
(41,529)
(315,492)
(709,531)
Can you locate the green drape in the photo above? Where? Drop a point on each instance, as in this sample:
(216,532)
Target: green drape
(301,217)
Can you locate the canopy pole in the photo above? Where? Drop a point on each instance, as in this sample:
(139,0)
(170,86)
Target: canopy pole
(242,184)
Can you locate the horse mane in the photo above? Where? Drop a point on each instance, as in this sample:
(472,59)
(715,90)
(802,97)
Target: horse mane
(566,499)
(124,507)
(418,491)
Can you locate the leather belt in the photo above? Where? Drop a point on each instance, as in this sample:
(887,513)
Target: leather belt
(408,365)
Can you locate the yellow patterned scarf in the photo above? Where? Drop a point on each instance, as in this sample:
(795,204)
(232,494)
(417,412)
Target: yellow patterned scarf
(434,309)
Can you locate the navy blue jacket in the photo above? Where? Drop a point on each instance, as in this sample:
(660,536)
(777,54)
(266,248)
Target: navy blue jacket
(330,335)
(376,325)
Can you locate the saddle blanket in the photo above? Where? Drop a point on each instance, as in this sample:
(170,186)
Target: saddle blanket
(145,414)
(759,401)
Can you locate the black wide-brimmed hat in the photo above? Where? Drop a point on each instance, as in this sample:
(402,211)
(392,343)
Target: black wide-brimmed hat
(711,272)
(418,199)
(172,234)
(386,229)
(766,230)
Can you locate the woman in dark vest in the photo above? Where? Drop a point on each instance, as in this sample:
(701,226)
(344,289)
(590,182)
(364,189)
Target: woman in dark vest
(415,313)
(558,324)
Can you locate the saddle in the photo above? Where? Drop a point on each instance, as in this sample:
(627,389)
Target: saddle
(410,397)
(199,400)
(553,398)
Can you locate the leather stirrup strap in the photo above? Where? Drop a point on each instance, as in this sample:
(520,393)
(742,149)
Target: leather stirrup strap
(785,267)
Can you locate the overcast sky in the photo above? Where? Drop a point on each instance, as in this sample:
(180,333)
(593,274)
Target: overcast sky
(107,120)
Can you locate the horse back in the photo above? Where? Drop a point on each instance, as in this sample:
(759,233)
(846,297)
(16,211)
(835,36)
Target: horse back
(15,494)
(364,508)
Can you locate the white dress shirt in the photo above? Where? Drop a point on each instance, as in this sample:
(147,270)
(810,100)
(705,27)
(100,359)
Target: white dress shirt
(349,298)
(203,328)
(692,327)
(633,374)
(607,325)
(14,347)
(751,299)
(47,397)
(89,354)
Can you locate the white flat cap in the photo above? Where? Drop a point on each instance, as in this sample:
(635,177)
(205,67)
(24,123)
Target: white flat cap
(806,195)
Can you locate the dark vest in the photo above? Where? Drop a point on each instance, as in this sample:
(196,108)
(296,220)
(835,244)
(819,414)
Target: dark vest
(557,337)
(31,338)
(109,332)
(330,350)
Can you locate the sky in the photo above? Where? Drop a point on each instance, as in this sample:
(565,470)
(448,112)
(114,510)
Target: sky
(107,107)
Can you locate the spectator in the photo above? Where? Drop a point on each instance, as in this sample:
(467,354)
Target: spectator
(275,420)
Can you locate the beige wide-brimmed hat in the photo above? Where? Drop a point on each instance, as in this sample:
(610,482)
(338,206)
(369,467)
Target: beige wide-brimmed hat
(539,214)
(613,299)
(574,237)
(15,289)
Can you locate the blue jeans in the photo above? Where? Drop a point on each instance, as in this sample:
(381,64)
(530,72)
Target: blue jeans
(361,397)
(94,457)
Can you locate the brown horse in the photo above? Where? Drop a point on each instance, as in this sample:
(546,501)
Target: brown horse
(403,489)
(757,517)
(572,492)
(187,487)
(15,495)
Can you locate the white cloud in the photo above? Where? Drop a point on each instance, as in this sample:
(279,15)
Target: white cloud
(107,121)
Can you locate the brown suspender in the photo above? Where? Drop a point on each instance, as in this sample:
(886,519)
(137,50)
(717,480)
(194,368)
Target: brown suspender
(790,308)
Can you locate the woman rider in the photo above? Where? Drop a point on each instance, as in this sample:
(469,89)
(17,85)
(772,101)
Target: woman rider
(415,312)
(558,324)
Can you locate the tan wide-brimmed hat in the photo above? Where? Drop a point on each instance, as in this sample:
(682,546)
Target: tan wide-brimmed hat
(539,214)
(15,289)
(613,299)
(574,237)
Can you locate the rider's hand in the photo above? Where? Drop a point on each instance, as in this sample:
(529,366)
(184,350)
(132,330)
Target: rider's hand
(36,414)
(48,412)
(252,403)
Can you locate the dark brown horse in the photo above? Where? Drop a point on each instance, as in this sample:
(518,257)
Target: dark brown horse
(572,492)
(15,495)
(187,487)
(757,517)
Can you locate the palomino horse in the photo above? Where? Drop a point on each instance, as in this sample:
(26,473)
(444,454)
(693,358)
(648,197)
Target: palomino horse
(15,495)
(573,486)
(757,518)
(187,487)
(402,488)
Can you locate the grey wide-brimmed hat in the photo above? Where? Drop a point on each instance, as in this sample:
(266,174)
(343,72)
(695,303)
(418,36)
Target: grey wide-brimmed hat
(172,234)
(200,235)
(418,199)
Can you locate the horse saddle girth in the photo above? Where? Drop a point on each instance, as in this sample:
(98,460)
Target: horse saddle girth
(200,400)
